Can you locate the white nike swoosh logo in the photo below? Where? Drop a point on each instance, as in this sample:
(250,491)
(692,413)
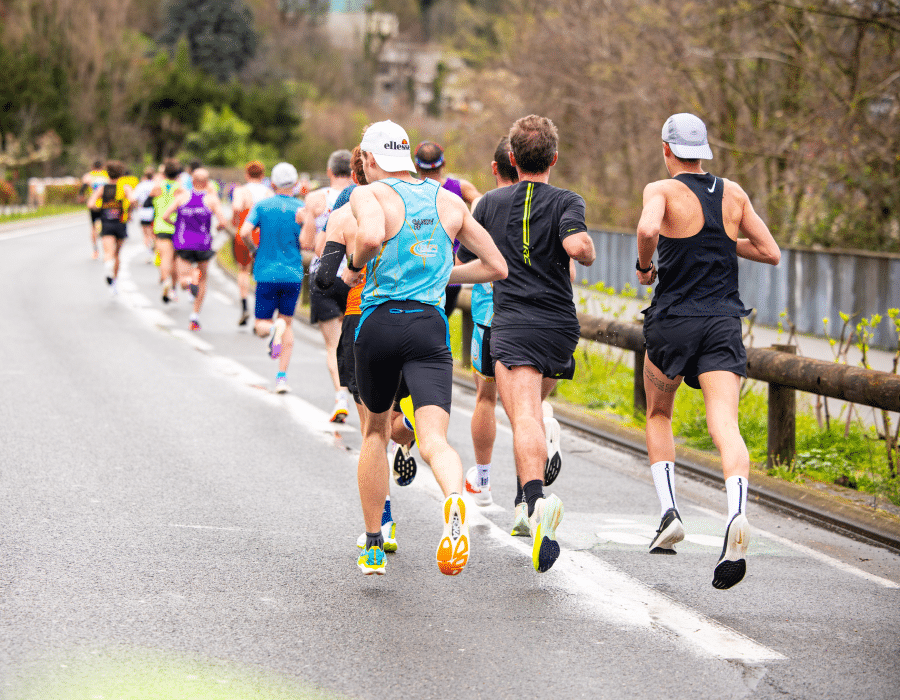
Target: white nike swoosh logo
(711,189)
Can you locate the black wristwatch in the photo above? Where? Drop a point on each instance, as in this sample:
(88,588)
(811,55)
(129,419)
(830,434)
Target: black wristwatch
(350,264)
(637,266)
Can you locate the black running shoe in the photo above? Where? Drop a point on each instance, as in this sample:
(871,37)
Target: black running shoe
(733,563)
(404,466)
(669,533)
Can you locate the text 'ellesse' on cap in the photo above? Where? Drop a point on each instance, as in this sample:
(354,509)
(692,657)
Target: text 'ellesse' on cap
(389,144)
(686,136)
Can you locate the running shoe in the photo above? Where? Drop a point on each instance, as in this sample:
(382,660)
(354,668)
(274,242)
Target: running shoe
(548,513)
(195,324)
(404,466)
(166,296)
(275,335)
(245,316)
(669,533)
(281,385)
(481,494)
(733,564)
(341,410)
(554,459)
(371,561)
(453,550)
(521,526)
(388,532)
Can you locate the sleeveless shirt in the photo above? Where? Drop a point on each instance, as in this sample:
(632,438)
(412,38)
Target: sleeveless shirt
(698,275)
(193,227)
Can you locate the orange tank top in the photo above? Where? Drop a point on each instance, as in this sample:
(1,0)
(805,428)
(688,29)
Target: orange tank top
(354,298)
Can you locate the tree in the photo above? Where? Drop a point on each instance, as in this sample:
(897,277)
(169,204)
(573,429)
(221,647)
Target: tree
(220,34)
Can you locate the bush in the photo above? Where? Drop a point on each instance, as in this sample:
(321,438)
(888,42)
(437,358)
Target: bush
(8,194)
(62,194)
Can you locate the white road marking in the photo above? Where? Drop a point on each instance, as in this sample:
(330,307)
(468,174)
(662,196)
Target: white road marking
(813,554)
(190,337)
(42,228)
(223,298)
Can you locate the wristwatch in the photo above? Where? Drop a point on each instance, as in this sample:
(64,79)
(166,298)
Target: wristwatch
(637,266)
(350,264)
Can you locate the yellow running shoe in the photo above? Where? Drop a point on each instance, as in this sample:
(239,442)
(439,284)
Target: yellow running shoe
(453,551)
(372,561)
(409,412)
(547,515)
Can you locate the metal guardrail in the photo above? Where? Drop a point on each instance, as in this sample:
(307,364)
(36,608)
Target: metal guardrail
(779,367)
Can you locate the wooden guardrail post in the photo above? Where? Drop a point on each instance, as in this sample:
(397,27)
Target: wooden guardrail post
(640,396)
(782,419)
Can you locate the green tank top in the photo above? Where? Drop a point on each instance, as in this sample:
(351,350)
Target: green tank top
(161,203)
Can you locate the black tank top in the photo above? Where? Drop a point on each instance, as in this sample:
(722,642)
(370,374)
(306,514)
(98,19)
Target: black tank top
(698,276)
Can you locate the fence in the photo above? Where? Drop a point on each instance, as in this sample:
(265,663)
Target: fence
(783,371)
(809,284)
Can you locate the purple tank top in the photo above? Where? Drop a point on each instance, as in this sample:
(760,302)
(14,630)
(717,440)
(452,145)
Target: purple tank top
(193,227)
(452,185)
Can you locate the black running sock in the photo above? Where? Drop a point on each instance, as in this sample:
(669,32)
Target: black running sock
(244,304)
(532,491)
(374,540)
(520,497)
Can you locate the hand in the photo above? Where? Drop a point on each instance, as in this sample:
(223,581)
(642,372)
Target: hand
(647,278)
(349,277)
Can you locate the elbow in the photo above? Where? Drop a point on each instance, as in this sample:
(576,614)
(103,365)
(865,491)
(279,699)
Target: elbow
(647,234)
(774,257)
(502,270)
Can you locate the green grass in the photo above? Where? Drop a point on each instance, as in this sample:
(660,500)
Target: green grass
(49,210)
(605,384)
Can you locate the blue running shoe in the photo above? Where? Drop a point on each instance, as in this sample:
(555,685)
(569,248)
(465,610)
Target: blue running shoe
(371,561)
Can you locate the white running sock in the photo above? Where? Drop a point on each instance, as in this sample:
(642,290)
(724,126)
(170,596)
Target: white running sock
(484,474)
(664,480)
(194,316)
(736,490)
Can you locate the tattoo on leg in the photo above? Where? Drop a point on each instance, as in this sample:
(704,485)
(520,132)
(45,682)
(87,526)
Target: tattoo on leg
(664,384)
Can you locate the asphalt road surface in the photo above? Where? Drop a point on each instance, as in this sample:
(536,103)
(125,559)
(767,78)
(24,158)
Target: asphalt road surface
(171,528)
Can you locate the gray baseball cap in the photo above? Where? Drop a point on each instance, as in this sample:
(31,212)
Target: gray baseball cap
(283,175)
(686,136)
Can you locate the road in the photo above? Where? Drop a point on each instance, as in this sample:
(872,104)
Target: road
(170,528)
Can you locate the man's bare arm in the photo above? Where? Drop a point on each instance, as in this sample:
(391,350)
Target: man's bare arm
(580,247)
(370,225)
(758,243)
(489,266)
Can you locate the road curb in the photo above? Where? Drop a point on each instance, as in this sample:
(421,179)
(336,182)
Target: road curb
(829,508)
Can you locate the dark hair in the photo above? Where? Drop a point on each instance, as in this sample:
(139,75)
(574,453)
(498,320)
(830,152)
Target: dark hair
(501,158)
(171,168)
(533,141)
(149,172)
(115,169)
(255,169)
(194,164)
(429,155)
(356,164)
(339,163)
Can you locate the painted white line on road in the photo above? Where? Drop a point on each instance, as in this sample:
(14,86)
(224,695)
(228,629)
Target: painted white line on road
(813,554)
(42,228)
(236,370)
(223,298)
(191,339)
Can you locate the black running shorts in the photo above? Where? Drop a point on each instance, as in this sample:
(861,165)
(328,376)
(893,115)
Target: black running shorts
(691,345)
(194,256)
(326,304)
(346,358)
(113,228)
(482,360)
(406,337)
(549,350)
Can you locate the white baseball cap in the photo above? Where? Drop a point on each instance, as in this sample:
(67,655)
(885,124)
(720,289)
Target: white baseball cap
(686,136)
(283,175)
(389,144)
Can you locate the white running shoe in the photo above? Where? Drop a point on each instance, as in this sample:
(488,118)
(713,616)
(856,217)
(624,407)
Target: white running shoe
(733,563)
(276,332)
(669,533)
(281,385)
(341,410)
(554,458)
(388,532)
(480,494)
(548,513)
(453,550)
(521,526)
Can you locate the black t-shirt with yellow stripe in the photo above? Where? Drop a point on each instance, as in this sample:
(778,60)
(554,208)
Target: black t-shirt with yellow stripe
(528,222)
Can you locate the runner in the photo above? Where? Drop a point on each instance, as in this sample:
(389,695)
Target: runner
(112,201)
(406,229)
(535,328)
(141,199)
(92,181)
(193,237)
(484,421)
(694,222)
(430,163)
(242,200)
(278,267)
(163,193)
(327,306)
(333,255)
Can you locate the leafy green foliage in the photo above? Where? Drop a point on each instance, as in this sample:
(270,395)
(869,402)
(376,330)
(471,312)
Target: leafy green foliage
(223,138)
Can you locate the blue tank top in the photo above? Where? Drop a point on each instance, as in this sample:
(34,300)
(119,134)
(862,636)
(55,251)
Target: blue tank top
(698,275)
(193,226)
(483,304)
(415,264)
